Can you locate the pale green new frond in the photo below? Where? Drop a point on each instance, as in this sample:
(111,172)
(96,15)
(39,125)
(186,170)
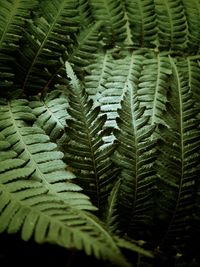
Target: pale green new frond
(34,147)
(179,159)
(135,155)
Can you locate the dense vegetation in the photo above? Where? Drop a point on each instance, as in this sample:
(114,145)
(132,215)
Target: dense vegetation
(99,132)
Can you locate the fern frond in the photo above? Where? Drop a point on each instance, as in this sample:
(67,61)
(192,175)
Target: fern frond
(45,42)
(124,70)
(154,86)
(99,71)
(142,21)
(26,206)
(192,12)
(85,13)
(84,52)
(191,71)
(135,155)
(84,151)
(179,159)
(81,55)
(111,216)
(51,114)
(172,24)
(34,147)
(13,16)
(110,13)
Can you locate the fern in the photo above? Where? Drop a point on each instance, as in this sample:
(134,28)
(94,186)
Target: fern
(84,151)
(46,40)
(142,20)
(179,160)
(117,136)
(192,13)
(27,206)
(34,147)
(111,14)
(51,113)
(154,86)
(13,16)
(135,156)
(172,24)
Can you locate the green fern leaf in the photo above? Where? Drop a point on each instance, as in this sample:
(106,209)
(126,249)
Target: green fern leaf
(84,151)
(46,40)
(154,86)
(136,157)
(110,13)
(172,24)
(111,215)
(13,16)
(179,160)
(34,147)
(85,13)
(51,113)
(26,206)
(192,11)
(142,21)
(191,70)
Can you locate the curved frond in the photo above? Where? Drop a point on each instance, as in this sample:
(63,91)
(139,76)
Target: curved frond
(13,16)
(135,155)
(34,147)
(178,160)
(45,42)
(110,13)
(172,24)
(26,206)
(84,151)
(142,22)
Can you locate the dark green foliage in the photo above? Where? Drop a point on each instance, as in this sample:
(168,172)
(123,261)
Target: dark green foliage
(100,129)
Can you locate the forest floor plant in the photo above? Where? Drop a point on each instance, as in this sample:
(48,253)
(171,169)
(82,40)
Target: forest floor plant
(100,132)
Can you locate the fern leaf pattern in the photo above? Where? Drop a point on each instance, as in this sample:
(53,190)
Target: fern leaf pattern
(142,20)
(51,114)
(127,69)
(172,24)
(135,156)
(34,147)
(192,13)
(84,151)
(49,35)
(178,171)
(110,13)
(26,205)
(13,16)
(154,85)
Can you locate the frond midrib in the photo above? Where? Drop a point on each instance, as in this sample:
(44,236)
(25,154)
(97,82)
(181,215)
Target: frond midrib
(42,44)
